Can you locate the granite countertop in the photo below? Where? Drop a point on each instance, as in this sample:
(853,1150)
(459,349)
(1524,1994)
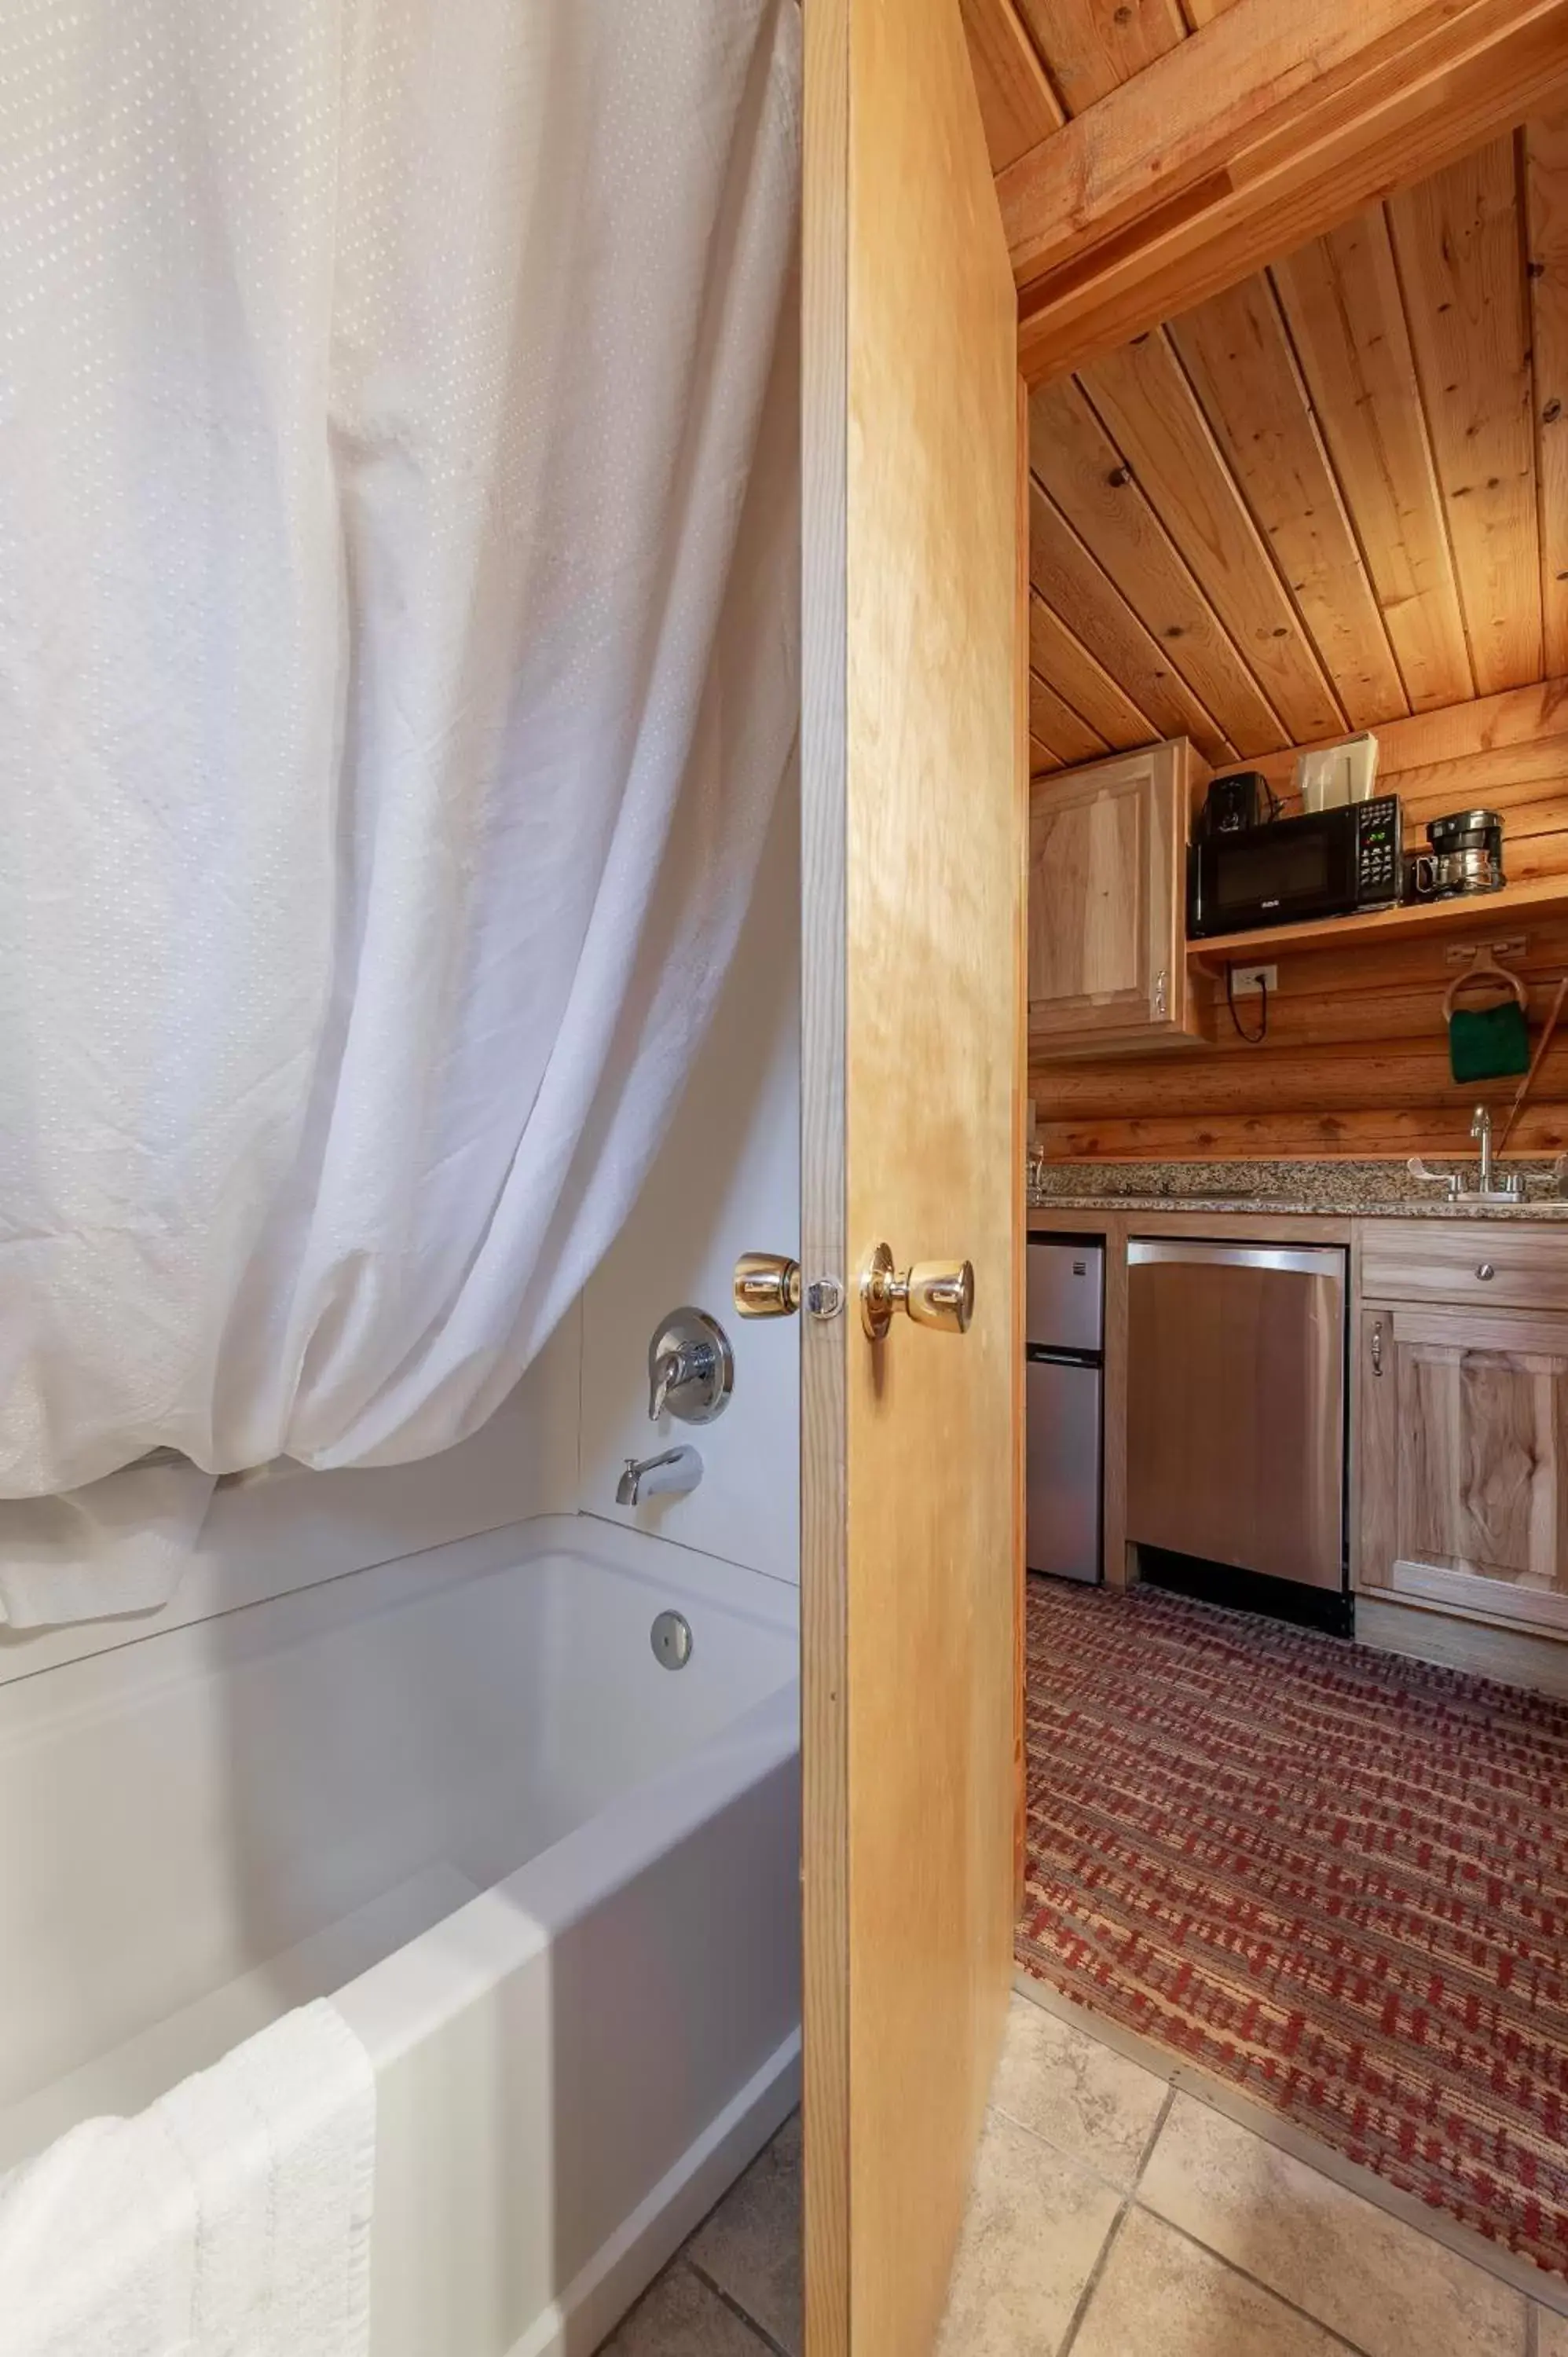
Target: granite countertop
(1300,1206)
(1383,1191)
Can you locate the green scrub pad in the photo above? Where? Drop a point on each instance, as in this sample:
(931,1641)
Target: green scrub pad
(1488,1043)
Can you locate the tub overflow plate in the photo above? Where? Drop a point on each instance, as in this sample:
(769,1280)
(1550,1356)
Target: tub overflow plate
(671,1640)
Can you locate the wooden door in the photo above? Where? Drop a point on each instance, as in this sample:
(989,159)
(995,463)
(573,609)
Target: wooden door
(914,793)
(1106,900)
(1464,1491)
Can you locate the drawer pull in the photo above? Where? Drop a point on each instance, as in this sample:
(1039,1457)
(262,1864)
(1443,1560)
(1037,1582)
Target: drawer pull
(1485,1271)
(1376,1346)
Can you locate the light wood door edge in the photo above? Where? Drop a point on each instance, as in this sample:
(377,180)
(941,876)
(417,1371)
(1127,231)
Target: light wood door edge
(1022,1106)
(824,1769)
(911,797)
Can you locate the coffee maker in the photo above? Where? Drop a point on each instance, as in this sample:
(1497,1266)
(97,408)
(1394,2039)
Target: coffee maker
(1465,855)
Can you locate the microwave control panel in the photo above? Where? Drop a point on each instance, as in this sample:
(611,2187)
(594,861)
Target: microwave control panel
(1377,849)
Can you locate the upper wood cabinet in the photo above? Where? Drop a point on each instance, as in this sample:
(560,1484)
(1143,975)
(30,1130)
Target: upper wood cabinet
(1107,903)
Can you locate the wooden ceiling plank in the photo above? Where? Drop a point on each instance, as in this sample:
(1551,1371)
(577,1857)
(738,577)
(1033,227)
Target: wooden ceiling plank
(1486,67)
(1494,736)
(1018,105)
(1265,70)
(1074,459)
(1042,760)
(1546,188)
(1058,726)
(1157,422)
(1342,302)
(1238,358)
(1093,46)
(1459,246)
(1070,580)
(1062,659)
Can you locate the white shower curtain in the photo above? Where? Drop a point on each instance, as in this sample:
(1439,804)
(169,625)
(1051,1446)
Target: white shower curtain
(397,656)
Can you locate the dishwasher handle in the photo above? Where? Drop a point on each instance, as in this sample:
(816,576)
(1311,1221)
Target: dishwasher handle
(1297,1260)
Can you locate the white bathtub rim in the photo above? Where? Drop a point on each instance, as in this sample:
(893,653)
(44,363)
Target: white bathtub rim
(672,1538)
(141,1666)
(600,2293)
(663,1559)
(416,1991)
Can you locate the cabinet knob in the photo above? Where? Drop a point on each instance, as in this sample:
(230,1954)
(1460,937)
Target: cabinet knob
(1485,1271)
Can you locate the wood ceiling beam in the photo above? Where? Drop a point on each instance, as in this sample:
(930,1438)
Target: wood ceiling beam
(1273,123)
(1018,105)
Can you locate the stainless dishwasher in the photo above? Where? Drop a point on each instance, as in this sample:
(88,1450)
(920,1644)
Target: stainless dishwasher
(1236,1405)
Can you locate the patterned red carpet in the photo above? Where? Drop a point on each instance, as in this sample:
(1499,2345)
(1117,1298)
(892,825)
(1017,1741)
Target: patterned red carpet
(1338,1879)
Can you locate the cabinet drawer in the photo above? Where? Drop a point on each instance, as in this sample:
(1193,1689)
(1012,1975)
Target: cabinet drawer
(1447,1260)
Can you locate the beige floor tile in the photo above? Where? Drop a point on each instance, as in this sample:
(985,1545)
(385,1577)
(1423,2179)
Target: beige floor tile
(1075,2091)
(1550,2333)
(679,2317)
(1160,2295)
(1038,2219)
(751,2243)
(1372,2278)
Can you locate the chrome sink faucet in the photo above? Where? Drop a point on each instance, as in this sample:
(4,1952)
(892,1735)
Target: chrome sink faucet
(1492,1189)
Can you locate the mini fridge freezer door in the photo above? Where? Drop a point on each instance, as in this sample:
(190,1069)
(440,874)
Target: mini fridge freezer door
(1066,1300)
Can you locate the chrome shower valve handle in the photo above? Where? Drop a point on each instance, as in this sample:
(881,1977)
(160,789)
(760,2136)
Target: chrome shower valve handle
(691,1368)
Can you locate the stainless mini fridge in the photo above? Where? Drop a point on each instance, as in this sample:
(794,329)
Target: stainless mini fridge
(1064,1383)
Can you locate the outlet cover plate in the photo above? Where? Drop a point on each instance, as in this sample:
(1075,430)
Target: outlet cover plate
(1250,980)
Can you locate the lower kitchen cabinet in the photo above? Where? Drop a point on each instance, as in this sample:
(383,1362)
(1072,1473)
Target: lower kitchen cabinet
(1463,1459)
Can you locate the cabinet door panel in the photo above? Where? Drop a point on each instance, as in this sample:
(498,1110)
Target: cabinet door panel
(1479,1476)
(1107,887)
(1465,1460)
(1087,930)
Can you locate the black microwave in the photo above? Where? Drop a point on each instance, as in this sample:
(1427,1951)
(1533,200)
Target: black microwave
(1331,863)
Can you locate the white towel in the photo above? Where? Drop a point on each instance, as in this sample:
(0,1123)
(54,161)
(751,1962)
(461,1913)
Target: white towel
(115,1545)
(230,2219)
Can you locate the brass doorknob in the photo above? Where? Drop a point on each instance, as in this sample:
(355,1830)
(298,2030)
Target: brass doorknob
(767,1284)
(938,1293)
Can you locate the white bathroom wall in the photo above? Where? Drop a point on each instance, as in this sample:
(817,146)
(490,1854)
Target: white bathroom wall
(728,1181)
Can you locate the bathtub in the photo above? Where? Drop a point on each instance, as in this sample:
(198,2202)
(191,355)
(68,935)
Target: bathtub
(553,1885)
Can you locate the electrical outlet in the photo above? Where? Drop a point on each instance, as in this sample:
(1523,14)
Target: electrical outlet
(1250,981)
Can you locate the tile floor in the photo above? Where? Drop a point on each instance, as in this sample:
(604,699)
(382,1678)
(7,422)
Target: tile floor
(1111,2216)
